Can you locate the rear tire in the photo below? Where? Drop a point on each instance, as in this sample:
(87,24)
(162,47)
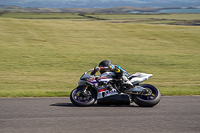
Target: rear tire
(148,101)
(78,99)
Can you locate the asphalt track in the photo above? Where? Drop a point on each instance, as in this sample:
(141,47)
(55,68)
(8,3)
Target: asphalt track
(177,114)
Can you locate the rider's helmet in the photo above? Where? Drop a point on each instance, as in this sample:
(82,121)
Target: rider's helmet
(105,63)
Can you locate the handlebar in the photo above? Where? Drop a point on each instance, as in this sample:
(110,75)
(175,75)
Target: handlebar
(89,71)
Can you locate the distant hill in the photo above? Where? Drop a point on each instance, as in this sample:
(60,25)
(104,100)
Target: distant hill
(79,10)
(122,9)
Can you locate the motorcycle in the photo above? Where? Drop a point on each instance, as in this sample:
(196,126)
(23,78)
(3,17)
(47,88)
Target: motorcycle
(107,90)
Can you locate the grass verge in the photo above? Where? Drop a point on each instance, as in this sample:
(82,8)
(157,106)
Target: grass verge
(47,57)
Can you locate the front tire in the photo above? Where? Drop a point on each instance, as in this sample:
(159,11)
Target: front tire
(150,100)
(78,99)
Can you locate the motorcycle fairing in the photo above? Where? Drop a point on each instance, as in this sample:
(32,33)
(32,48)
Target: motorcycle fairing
(92,81)
(139,77)
(103,92)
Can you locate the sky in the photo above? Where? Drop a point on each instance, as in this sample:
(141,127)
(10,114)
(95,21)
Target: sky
(100,3)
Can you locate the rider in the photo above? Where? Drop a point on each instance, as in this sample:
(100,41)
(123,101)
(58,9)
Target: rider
(106,66)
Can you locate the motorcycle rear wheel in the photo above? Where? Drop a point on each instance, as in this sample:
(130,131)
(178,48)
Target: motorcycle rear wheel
(79,99)
(149,100)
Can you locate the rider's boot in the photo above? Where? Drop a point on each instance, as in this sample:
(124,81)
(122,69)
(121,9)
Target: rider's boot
(126,81)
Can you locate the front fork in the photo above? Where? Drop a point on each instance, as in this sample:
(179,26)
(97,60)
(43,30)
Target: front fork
(84,92)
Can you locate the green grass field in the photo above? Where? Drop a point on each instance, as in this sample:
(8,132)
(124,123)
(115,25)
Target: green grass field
(46,57)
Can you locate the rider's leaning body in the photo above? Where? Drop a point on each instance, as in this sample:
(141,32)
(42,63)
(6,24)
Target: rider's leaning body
(106,66)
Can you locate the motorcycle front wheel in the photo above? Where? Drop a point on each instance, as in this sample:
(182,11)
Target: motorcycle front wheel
(148,100)
(79,98)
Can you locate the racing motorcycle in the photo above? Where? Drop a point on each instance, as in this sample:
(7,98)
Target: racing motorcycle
(107,90)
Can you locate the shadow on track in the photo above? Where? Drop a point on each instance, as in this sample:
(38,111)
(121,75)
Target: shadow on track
(94,105)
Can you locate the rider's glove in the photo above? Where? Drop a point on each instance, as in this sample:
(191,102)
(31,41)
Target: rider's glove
(97,69)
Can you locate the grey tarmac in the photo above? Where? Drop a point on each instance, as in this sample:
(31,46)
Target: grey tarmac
(174,114)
